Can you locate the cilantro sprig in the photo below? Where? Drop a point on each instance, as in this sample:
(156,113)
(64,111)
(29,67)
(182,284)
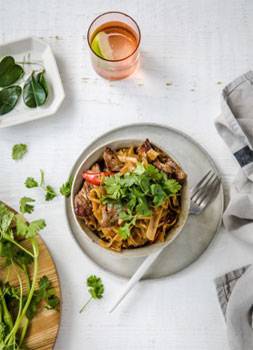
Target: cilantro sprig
(25,260)
(26,205)
(65,189)
(136,194)
(95,288)
(49,191)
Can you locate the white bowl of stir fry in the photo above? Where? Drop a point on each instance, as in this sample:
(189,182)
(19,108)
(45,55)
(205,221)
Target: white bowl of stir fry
(130,197)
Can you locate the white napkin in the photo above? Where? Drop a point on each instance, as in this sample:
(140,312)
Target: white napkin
(235,126)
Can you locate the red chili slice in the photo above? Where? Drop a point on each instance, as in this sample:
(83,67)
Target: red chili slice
(95,178)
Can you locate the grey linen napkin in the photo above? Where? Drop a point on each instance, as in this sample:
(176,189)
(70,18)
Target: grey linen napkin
(225,285)
(234,291)
(235,126)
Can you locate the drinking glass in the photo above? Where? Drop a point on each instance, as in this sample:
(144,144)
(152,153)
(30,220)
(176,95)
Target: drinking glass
(119,36)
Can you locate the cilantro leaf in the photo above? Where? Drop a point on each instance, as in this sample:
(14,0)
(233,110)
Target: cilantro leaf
(26,230)
(6,217)
(45,292)
(65,189)
(50,193)
(52,302)
(159,196)
(21,226)
(142,207)
(34,227)
(25,205)
(30,182)
(44,283)
(125,231)
(95,288)
(171,186)
(140,169)
(18,151)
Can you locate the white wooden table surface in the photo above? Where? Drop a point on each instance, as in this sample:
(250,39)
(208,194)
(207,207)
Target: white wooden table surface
(196,46)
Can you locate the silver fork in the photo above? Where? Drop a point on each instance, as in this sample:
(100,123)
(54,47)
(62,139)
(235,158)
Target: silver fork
(204,192)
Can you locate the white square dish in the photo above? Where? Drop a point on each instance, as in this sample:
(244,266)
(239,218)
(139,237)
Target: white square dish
(34,50)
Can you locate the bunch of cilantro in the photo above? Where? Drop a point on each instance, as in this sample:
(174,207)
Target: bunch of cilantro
(18,305)
(136,194)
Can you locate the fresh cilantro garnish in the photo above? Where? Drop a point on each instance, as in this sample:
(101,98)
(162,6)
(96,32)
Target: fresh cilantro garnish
(125,230)
(95,288)
(159,195)
(30,182)
(50,193)
(65,189)
(25,205)
(172,186)
(6,217)
(25,230)
(137,193)
(20,303)
(18,151)
(45,293)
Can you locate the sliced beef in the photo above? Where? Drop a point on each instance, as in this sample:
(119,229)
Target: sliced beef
(83,207)
(161,160)
(82,203)
(170,168)
(148,151)
(111,159)
(109,216)
(144,148)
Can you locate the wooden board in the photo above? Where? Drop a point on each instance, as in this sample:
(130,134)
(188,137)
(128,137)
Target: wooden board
(44,327)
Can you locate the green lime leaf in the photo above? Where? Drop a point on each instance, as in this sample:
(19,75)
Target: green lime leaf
(8,98)
(10,72)
(42,81)
(34,94)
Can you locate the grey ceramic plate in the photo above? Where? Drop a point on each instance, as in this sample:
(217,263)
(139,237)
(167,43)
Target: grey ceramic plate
(198,231)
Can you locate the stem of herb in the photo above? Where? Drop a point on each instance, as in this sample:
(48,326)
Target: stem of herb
(14,330)
(20,246)
(27,277)
(6,314)
(85,305)
(26,321)
(20,299)
(23,332)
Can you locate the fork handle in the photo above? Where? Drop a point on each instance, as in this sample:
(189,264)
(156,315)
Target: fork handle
(136,277)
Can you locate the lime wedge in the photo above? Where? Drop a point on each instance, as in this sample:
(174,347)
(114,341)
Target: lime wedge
(95,46)
(101,46)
